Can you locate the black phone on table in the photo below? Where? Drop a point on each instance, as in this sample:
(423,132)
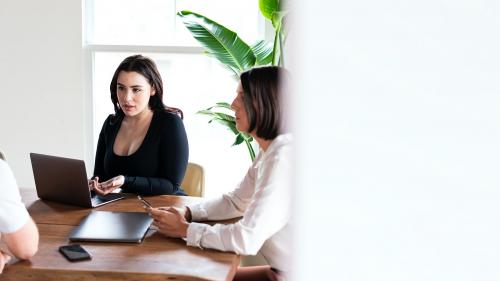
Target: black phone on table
(74,252)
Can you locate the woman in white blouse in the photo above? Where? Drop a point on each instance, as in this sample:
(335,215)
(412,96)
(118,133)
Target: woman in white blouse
(262,198)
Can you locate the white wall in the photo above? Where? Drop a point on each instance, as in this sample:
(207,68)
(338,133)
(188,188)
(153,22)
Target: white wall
(42,102)
(399,140)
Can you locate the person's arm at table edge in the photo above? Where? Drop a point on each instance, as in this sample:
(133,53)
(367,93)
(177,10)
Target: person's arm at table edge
(23,243)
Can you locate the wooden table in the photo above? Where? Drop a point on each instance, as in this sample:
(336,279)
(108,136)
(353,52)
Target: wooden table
(156,258)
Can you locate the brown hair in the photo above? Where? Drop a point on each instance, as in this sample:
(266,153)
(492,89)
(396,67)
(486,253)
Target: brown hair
(262,100)
(147,68)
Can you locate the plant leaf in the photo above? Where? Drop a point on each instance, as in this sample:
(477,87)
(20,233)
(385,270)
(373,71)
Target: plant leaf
(268,8)
(263,52)
(239,139)
(219,41)
(224,116)
(223,105)
(216,115)
(206,112)
(247,137)
(228,124)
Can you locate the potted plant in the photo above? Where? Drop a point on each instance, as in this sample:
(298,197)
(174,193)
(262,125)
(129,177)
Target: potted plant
(226,46)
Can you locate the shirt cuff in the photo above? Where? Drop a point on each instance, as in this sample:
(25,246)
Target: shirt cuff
(194,234)
(197,212)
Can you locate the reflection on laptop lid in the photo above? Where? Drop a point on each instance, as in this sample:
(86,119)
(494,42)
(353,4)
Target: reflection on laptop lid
(65,180)
(101,226)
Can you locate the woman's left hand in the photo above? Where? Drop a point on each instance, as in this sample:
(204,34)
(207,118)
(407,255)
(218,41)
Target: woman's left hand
(170,221)
(108,186)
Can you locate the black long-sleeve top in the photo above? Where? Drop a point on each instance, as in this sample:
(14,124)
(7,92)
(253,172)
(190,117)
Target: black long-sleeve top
(159,164)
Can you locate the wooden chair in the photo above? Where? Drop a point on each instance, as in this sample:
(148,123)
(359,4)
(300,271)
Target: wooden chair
(194,180)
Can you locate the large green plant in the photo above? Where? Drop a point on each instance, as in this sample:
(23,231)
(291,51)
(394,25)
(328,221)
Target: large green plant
(226,46)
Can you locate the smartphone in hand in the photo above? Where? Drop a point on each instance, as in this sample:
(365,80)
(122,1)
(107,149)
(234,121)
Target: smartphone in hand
(74,252)
(146,203)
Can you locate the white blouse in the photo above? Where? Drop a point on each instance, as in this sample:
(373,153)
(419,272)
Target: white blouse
(13,214)
(263,199)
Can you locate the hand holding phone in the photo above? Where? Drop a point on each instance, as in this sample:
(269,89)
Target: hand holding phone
(74,252)
(146,203)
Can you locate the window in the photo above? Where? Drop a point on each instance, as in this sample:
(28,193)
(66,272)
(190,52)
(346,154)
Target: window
(115,29)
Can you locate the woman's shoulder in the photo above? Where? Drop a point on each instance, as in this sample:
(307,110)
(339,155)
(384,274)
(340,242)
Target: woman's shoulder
(109,118)
(169,124)
(111,123)
(7,180)
(280,149)
(168,118)
(112,120)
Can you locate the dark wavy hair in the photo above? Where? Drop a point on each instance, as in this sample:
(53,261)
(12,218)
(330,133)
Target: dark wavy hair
(262,98)
(147,68)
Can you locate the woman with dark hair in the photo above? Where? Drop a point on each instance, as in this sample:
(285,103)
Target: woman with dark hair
(143,147)
(262,198)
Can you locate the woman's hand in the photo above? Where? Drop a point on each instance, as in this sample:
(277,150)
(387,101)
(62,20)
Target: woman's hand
(108,186)
(185,212)
(93,183)
(4,259)
(170,221)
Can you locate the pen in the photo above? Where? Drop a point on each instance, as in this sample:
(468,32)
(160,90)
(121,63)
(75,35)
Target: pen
(146,203)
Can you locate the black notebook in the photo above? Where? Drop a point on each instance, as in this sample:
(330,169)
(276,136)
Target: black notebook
(102,226)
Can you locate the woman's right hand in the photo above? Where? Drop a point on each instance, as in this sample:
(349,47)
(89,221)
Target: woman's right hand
(170,221)
(184,211)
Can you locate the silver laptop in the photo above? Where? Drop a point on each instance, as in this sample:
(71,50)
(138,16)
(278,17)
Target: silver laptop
(64,180)
(102,226)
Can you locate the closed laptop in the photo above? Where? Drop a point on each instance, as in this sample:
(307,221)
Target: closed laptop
(103,226)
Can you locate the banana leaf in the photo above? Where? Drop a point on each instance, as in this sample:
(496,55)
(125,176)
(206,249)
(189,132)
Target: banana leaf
(231,125)
(263,52)
(222,105)
(219,115)
(229,122)
(220,42)
(268,8)
(239,139)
